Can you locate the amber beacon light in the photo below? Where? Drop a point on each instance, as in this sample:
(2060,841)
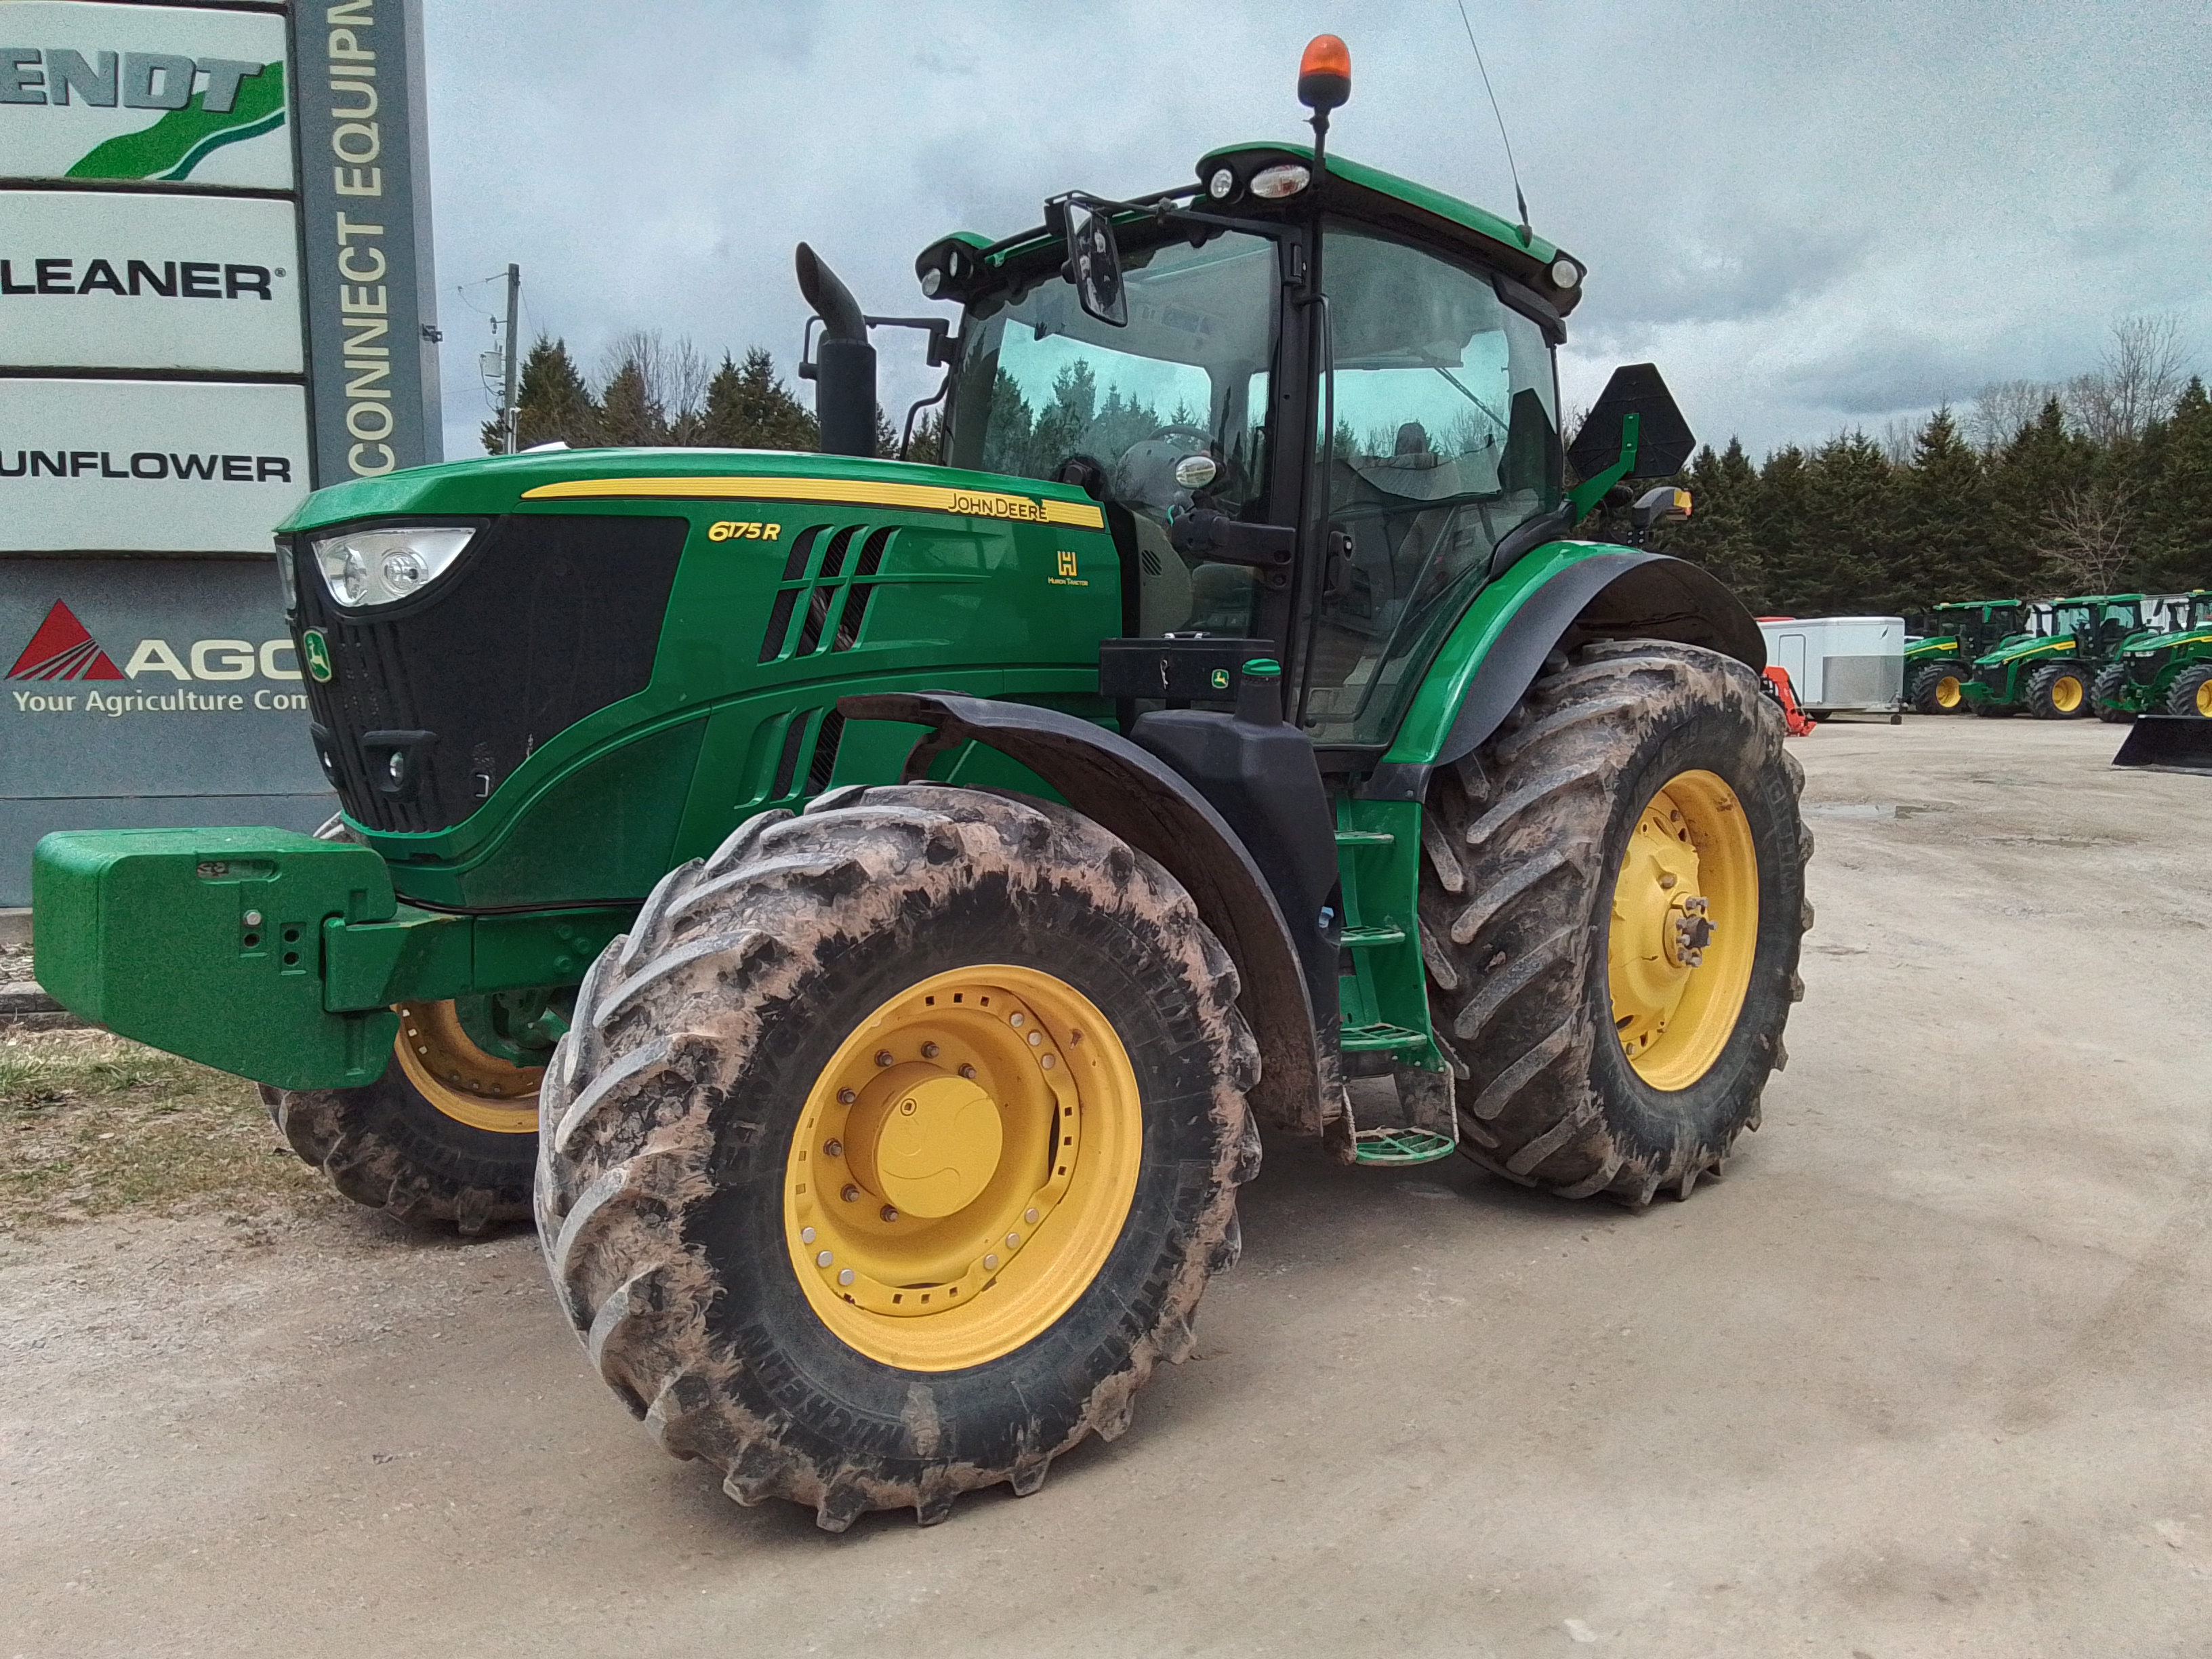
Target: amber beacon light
(1325,74)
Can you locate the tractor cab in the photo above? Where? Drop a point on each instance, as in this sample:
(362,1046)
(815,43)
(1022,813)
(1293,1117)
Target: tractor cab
(1317,403)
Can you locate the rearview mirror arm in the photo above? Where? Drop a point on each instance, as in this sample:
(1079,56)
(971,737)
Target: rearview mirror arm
(1587,494)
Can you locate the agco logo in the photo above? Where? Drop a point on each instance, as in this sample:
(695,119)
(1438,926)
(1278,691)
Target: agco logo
(63,650)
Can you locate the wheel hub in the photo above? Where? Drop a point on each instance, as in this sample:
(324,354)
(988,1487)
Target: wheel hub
(962,1167)
(925,1139)
(1683,930)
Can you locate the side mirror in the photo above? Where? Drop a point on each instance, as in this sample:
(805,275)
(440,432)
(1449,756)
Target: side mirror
(1094,260)
(1633,431)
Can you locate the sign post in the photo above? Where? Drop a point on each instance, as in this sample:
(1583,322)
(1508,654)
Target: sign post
(215,294)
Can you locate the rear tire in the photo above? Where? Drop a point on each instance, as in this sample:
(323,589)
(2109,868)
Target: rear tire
(2105,692)
(702,1075)
(1521,891)
(392,1146)
(2058,691)
(2192,692)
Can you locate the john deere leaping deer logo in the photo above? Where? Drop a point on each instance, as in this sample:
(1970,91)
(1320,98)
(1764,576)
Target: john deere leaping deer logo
(64,649)
(315,653)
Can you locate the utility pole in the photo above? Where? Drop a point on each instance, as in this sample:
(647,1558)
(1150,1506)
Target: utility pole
(507,402)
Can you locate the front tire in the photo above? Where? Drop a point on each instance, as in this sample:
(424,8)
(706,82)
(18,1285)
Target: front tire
(2105,693)
(2191,693)
(446,1137)
(892,1149)
(2058,691)
(1634,762)
(1937,690)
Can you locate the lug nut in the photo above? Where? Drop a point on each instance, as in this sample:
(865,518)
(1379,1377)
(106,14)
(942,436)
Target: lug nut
(990,1262)
(851,1194)
(845,1276)
(833,1149)
(929,1051)
(824,1259)
(846,1097)
(1014,1020)
(1013,1241)
(883,1056)
(806,1234)
(967,1072)
(890,1213)
(1030,1215)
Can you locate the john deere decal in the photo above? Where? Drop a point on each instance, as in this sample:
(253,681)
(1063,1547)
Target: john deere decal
(317,651)
(63,649)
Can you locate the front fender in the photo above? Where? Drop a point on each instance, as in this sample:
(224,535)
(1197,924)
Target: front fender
(1136,796)
(1588,590)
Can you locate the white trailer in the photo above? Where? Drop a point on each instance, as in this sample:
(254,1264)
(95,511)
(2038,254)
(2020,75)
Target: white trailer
(1840,664)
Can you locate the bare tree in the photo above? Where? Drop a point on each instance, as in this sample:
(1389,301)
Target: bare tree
(672,375)
(2002,409)
(1899,433)
(2135,381)
(2085,533)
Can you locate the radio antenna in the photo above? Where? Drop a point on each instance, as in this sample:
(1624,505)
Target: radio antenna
(1519,200)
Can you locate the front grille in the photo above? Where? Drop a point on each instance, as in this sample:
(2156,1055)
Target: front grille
(549,619)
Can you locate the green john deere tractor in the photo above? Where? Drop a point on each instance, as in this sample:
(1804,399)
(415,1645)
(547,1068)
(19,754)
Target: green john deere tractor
(868,911)
(1939,663)
(2166,669)
(2048,671)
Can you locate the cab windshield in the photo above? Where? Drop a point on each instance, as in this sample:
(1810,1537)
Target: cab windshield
(1047,391)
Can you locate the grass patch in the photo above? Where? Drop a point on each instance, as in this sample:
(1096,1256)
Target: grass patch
(92,1123)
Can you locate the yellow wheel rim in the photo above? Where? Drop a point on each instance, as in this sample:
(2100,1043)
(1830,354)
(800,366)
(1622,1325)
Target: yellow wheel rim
(2066,693)
(460,1079)
(962,1167)
(2204,699)
(1684,930)
(1948,692)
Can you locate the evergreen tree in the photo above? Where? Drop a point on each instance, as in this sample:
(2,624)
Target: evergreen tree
(2176,543)
(630,415)
(1939,522)
(552,404)
(1719,535)
(749,407)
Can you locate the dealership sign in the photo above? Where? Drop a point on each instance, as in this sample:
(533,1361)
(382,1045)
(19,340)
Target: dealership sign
(143,93)
(215,294)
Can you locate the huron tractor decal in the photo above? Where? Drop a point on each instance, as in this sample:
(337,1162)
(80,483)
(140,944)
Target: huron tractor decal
(64,649)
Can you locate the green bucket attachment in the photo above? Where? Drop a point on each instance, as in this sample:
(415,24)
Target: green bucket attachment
(2168,743)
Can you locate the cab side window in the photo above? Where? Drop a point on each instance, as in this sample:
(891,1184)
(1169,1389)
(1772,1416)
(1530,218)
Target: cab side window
(1441,435)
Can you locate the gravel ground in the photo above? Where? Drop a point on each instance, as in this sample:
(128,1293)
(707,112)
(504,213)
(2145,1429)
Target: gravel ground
(1923,1375)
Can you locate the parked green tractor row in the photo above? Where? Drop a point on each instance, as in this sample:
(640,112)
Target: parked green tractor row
(1951,637)
(2164,670)
(2048,673)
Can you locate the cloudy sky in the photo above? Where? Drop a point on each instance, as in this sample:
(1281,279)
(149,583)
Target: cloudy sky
(1810,214)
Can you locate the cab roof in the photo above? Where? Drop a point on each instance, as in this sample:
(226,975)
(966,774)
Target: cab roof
(1423,214)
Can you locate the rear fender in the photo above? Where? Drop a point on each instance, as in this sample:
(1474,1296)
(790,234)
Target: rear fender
(1559,597)
(1135,795)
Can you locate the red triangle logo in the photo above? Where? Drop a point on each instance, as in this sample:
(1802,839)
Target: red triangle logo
(61,649)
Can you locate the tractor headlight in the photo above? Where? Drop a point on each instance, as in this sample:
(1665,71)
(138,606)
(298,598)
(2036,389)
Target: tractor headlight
(288,580)
(366,568)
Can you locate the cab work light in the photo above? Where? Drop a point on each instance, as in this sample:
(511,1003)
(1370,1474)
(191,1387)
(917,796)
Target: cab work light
(366,568)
